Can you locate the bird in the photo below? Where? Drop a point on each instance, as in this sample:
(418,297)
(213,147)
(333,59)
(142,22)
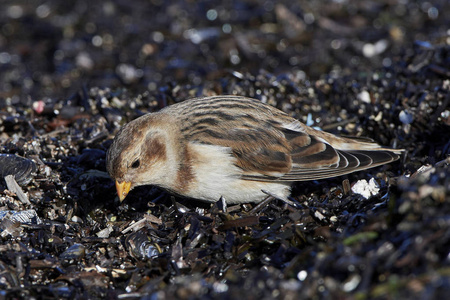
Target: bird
(233,148)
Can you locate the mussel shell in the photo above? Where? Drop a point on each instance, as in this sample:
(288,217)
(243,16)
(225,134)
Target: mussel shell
(141,246)
(21,168)
(73,253)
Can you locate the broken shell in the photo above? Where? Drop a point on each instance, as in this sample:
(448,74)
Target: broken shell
(21,168)
(74,252)
(141,246)
(25,216)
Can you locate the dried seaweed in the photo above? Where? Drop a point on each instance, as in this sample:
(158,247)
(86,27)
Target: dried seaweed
(73,72)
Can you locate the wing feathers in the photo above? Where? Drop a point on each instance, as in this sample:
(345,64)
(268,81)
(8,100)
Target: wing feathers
(269,145)
(316,156)
(349,161)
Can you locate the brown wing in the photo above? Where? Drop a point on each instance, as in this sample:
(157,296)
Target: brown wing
(270,145)
(258,151)
(247,126)
(313,157)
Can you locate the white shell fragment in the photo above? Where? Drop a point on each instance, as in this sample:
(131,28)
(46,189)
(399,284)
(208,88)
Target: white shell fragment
(366,189)
(14,187)
(364,96)
(25,216)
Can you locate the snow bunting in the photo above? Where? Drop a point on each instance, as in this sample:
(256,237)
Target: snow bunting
(231,147)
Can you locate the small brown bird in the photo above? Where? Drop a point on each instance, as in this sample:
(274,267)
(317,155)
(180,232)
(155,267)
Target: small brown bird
(231,147)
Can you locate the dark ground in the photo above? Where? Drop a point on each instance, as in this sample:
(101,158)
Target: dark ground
(72,73)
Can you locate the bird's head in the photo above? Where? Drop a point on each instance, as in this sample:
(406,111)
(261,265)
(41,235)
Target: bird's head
(143,153)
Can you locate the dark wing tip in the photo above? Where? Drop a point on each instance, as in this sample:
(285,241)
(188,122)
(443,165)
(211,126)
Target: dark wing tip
(349,162)
(372,158)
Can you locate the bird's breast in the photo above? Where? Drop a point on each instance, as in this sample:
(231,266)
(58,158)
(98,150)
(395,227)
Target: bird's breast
(210,173)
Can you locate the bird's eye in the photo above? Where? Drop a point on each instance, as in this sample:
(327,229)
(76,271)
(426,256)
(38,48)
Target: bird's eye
(136,164)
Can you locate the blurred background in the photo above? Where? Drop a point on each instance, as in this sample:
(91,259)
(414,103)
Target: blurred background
(52,49)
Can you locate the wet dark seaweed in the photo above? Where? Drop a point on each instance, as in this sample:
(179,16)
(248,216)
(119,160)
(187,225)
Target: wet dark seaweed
(73,72)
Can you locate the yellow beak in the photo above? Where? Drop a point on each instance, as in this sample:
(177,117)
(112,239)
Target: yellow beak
(122,189)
